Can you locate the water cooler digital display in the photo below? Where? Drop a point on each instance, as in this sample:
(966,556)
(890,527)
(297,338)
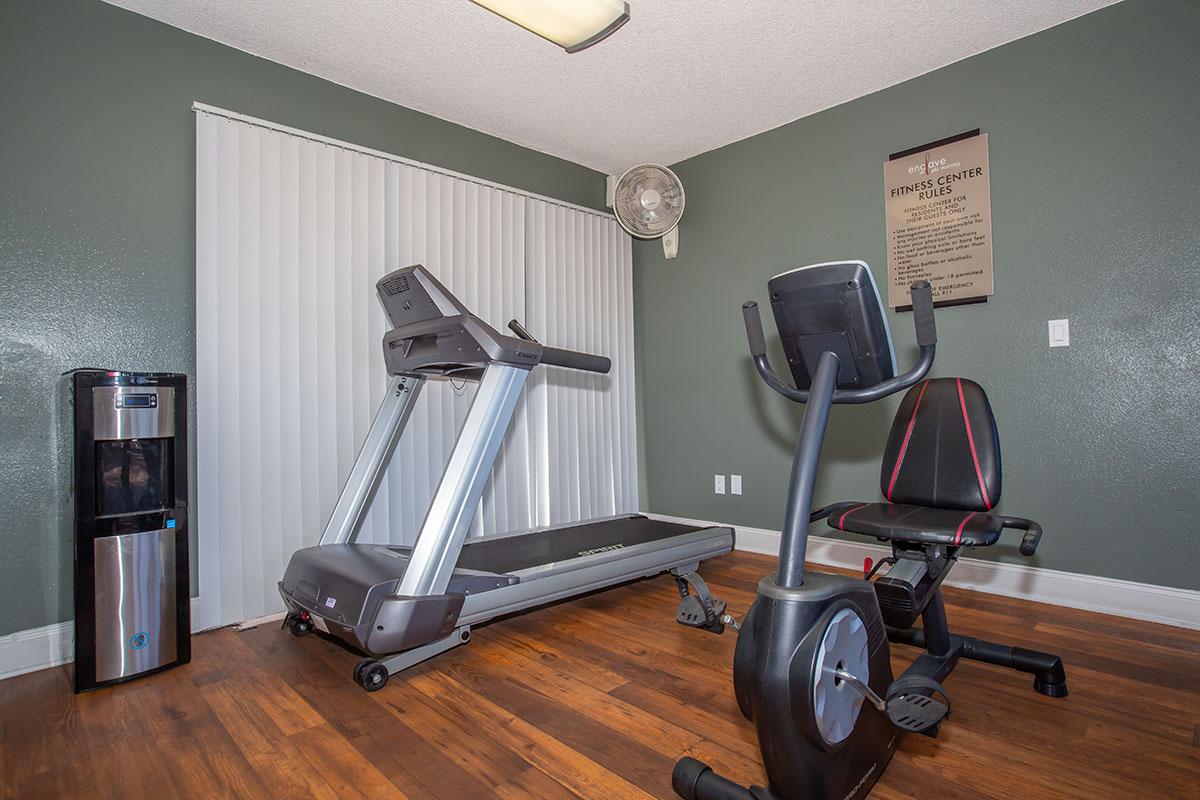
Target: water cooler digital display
(132,598)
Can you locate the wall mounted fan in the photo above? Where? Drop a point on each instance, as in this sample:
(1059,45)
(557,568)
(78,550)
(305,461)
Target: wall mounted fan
(648,203)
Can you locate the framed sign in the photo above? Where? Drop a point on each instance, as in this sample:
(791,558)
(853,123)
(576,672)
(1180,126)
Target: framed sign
(938,202)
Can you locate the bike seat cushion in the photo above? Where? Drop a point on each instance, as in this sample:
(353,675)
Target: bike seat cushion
(907,523)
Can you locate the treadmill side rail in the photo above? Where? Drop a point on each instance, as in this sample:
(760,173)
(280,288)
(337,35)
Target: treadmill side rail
(372,460)
(410,658)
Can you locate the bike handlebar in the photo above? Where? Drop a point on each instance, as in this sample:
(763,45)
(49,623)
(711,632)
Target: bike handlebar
(923,321)
(754,328)
(922,308)
(1032,536)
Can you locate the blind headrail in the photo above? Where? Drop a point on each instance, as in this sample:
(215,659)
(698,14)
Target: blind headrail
(204,108)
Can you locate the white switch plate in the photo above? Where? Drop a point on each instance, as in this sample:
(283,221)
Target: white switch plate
(735,484)
(1060,332)
(718,484)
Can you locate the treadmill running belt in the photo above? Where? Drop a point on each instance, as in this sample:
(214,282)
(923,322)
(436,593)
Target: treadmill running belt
(512,553)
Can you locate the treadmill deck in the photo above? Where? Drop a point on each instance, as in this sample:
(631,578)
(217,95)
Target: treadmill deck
(508,554)
(352,587)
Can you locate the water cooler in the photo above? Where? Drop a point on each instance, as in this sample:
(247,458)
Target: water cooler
(132,598)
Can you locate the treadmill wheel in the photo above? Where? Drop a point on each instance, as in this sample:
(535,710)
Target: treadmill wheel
(371,675)
(299,626)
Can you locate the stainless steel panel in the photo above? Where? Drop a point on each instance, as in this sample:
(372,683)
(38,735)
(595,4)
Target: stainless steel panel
(135,603)
(112,421)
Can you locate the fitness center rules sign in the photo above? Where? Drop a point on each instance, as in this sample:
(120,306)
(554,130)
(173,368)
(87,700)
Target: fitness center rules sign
(939,221)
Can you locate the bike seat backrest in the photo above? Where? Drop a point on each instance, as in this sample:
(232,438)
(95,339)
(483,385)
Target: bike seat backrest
(943,450)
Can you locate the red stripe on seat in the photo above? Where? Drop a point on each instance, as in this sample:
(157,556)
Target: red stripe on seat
(962,403)
(848,512)
(958,534)
(907,435)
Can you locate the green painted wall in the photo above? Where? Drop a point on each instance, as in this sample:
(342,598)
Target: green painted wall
(1095,158)
(97,228)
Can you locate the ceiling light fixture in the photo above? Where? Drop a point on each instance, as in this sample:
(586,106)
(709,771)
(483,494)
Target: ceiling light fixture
(573,25)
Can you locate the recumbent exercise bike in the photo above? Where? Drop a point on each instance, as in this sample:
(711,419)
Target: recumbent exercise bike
(812,667)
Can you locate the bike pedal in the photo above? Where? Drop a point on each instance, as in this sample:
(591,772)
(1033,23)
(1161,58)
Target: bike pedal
(912,707)
(916,713)
(691,612)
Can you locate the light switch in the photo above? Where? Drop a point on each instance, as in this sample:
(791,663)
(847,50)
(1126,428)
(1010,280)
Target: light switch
(735,484)
(1060,333)
(718,484)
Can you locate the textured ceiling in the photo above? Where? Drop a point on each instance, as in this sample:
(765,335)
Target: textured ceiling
(682,77)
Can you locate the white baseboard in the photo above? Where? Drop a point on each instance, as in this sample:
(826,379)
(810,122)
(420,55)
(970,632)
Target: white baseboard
(1144,601)
(36,648)
(41,648)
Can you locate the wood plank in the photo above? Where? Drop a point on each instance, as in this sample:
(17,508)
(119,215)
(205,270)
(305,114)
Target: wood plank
(581,775)
(730,728)
(745,770)
(572,725)
(414,766)
(539,649)
(533,783)
(281,762)
(647,671)
(204,754)
(42,733)
(603,707)
(451,732)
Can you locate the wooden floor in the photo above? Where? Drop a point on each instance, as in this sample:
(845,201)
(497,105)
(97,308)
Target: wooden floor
(595,698)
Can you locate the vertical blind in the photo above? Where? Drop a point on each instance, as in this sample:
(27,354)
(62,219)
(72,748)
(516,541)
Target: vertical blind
(580,296)
(292,232)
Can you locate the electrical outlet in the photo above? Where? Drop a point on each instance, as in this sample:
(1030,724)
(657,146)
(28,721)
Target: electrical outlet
(718,484)
(735,484)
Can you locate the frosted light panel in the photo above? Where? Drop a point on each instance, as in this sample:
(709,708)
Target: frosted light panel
(571,24)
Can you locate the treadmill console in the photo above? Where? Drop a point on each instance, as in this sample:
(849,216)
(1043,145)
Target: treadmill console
(834,307)
(412,294)
(436,336)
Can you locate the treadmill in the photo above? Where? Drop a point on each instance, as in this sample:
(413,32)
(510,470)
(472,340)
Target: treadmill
(402,605)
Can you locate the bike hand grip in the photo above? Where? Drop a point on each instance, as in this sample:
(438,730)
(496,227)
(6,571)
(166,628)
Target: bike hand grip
(571,359)
(754,328)
(922,307)
(1029,542)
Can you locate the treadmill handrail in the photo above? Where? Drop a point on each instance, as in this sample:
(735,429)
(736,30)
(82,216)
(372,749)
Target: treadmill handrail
(358,492)
(448,519)
(559,357)
(573,359)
